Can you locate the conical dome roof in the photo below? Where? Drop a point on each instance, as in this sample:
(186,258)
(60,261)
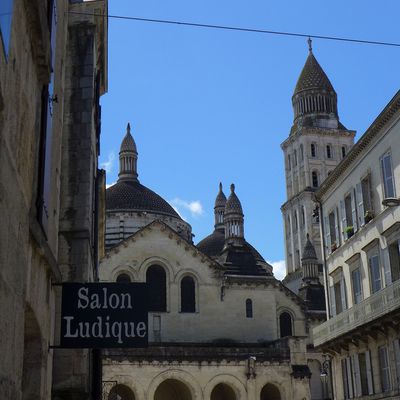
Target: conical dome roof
(128,144)
(309,250)
(220,200)
(233,204)
(313,77)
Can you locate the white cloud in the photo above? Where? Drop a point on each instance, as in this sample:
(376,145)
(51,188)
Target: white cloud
(108,165)
(180,206)
(279,269)
(110,184)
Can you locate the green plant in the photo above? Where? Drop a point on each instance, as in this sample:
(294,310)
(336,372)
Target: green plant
(349,230)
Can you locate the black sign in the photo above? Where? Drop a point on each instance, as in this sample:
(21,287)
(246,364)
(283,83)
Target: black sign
(100,315)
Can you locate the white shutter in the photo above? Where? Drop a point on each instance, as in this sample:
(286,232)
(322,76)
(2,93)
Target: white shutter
(343,293)
(327,235)
(386,266)
(349,377)
(356,375)
(335,213)
(354,210)
(360,204)
(343,216)
(332,300)
(369,372)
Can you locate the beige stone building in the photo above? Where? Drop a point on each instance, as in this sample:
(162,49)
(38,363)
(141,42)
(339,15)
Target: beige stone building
(221,327)
(359,208)
(53,68)
(317,142)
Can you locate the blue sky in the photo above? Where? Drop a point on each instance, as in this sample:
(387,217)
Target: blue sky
(208,106)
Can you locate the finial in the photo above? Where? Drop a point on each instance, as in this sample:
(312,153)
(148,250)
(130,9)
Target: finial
(233,188)
(309,44)
(220,186)
(308,236)
(128,128)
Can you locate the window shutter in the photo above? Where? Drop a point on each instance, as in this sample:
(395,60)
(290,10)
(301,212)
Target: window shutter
(386,266)
(369,372)
(343,294)
(343,216)
(327,235)
(349,377)
(354,210)
(360,204)
(356,375)
(336,214)
(332,300)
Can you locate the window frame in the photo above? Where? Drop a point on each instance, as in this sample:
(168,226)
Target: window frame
(193,309)
(384,179)
(249,308)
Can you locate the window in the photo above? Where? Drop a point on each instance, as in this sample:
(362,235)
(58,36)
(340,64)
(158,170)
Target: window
(349,215)
(46,140)
(301,153)
(365,368)
(333,229)
(303,217)
(285,324)
(6,10)
(343,151)
(394,257)
(249,308)
(314,178)
(123,278)
(156,285)
(374,271)
(396,345)
(313,150)
(188,295)
(338,298)
(295,157)
(384,369)
(347,378)
(387,175)
(356,283)
(289,162)
(328,151)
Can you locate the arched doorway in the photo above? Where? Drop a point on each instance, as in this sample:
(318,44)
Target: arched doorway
(223,392)
(172,389)
(121,392)
(33,358)
(270,392)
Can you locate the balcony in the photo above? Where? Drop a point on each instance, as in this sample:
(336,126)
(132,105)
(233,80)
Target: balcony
(374,307)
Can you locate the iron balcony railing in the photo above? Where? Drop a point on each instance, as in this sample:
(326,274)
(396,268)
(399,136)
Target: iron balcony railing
(379,304)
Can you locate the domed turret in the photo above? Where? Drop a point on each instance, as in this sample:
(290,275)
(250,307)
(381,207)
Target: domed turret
(309,262)
(314,99)
(219,209)
(128,157)
(233,218)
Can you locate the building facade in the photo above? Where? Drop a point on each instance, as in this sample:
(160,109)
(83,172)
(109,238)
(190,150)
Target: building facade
(53,69)
(360,215)
(318,141)
(220,325)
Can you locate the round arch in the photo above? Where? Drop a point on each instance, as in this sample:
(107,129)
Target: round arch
(230,380)
(124,269)
(183,377)
(223,392)
(270,391)
(121,392)
(162,262)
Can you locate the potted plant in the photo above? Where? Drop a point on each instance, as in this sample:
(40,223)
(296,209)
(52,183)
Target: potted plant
(333,246)
(369,214)
(349,230)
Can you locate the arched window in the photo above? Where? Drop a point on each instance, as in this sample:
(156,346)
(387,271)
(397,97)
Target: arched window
(123,278)
(313,150)
(328,151)
(285,324)
(314,178)
(343,151)
(295,157)
(156,280)
(249,308)
(188,295)
(289,162)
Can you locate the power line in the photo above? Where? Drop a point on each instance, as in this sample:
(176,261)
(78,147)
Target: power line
(240,29)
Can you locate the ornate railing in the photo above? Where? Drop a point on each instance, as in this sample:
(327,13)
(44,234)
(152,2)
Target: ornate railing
(374,307)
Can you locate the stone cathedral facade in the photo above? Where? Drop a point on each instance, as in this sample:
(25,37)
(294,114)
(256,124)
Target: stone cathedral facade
(221,326)
(317,143)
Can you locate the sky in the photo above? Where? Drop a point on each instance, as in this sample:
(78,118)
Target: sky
(209,106)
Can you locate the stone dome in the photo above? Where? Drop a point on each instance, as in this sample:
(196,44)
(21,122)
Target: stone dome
(220,200)
(309,250)
(129,195)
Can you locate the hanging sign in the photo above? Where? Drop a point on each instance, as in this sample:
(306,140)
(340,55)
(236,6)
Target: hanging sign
(102,315)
